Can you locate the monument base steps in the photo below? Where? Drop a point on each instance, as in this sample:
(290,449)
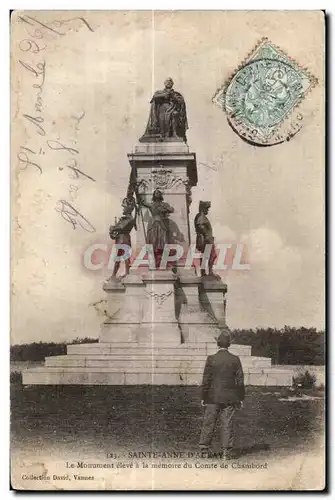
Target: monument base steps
(130,363)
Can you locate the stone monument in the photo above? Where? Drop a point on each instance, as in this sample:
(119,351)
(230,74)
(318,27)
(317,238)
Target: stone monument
(168,318)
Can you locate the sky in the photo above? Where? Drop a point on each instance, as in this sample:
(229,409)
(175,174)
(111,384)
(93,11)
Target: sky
(98,78)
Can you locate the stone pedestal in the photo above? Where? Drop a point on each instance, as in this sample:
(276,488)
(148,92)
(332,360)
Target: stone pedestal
(213,297)
(115,290)
(123,325)
(159,323)
(196,324)
(170,167)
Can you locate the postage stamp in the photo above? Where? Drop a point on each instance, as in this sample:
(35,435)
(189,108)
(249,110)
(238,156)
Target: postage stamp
(262,94)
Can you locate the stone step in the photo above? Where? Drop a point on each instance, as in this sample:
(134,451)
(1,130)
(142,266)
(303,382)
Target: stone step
(109,376)
(142,356)
(133,349)
(144,361)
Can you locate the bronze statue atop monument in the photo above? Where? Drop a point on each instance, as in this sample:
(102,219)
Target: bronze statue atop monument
(120,231)
(158,234)
(168,118)
(204,231)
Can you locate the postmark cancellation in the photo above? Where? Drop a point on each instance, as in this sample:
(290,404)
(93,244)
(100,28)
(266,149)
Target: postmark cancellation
(262,97)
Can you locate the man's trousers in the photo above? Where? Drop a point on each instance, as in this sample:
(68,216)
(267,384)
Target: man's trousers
(225,415)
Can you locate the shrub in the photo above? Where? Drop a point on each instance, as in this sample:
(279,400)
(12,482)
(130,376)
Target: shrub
(285,346)
(304,380)
(38,351)
(86,340)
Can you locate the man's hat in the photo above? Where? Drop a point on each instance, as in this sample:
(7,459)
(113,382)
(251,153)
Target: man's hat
(204,204)
(224,336)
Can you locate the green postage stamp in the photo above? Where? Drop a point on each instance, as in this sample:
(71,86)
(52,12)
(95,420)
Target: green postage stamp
(262,93)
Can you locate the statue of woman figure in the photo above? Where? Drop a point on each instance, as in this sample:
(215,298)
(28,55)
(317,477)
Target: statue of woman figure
(158,228)
(167,119)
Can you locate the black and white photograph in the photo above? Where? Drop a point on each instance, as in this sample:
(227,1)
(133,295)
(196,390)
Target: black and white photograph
(167,250)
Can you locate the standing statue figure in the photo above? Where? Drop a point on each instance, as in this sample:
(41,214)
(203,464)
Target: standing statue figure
(204,231)
(167,119)
(120,231)
(158,229)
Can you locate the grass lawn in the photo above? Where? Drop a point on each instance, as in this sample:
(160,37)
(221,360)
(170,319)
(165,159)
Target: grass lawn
(157,418)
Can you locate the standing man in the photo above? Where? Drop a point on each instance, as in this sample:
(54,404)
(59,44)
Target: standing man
(222,393)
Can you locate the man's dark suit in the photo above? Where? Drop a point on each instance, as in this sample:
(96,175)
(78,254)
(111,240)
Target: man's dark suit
(222,391)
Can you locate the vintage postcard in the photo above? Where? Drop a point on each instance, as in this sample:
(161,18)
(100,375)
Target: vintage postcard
(168,250)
